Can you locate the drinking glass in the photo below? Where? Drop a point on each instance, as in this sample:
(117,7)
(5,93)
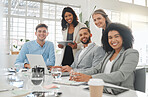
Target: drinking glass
(18,67)
(37,76)
(73,73)
(56,73)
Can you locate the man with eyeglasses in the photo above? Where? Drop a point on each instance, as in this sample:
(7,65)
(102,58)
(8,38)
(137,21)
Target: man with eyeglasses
(38,46)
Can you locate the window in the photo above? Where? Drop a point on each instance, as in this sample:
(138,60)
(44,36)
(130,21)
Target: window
(5,26)
(30,28)
(25,15)
(49,11)
(137,2)
(140,2)
(115,16)
(140,28)
(18,7)
(33,9)
(127,1)
(5,6)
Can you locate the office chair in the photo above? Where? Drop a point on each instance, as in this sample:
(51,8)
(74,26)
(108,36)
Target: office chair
(140,79)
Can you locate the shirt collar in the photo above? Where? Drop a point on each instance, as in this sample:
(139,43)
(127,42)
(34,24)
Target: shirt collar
(87,46)
(38,44)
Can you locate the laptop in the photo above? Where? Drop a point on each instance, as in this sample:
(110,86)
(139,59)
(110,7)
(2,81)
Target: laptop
(37,60)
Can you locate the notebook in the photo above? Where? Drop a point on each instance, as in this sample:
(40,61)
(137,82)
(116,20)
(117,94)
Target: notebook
(115,90)
(37,60)
(68,82)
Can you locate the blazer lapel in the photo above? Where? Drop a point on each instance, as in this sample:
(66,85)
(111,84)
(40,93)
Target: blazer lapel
(118,56)
(83,55)
(65,34)
(106,60)
(76,32)
(108,57)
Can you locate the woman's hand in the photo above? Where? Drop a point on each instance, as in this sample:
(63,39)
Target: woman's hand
(66,68)
(79,77)
(55,67)
(60,46)
(73,45)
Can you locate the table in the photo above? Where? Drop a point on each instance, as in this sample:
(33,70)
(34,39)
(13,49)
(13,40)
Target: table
(67,91)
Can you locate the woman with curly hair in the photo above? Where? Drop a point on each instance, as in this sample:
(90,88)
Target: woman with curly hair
(120,60)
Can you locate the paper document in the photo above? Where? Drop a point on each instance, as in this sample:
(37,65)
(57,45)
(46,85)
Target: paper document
(68,82)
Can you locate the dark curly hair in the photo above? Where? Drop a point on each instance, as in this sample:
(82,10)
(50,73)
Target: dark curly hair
(124,31)
(63,22)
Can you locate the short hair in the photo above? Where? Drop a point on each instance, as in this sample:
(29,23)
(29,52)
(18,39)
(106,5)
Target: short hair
(86,28)
(41,25)
(124,31)
(102,12)
(63,21)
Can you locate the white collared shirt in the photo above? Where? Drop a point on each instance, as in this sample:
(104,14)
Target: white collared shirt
(108,67)
(83,50)
(107,70)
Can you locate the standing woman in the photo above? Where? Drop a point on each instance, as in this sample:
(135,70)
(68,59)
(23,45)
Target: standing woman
(70,29)
(101,19)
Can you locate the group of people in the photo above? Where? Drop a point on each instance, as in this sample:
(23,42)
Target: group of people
(114,61)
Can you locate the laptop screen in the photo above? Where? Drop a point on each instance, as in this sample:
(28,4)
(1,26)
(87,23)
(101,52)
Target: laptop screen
(36,60)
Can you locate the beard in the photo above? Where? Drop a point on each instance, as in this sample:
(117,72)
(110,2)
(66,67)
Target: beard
(86,41)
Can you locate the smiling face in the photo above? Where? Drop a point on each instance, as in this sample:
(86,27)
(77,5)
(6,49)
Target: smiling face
(41,33)
(115,40)
(84,36)
(99,20)
(68,17)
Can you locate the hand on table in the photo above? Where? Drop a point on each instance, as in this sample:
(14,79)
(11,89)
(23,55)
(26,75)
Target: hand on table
(55,67)
(27,66)
(66,68)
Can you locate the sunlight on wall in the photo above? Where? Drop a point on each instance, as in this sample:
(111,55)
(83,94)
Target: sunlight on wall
(2,53)
(1,41)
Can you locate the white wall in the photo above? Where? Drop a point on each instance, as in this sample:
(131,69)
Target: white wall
(1,44)
(3,83)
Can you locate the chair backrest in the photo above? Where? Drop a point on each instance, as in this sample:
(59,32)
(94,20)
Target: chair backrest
(140,79)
